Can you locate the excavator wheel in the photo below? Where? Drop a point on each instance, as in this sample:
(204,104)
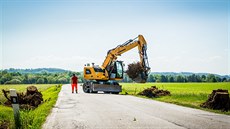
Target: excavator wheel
(91,91)
(85,88)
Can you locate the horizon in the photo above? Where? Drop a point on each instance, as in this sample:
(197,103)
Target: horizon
(150,71)
(190,35)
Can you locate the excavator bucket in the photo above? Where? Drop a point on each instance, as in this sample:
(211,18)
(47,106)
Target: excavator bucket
(137,72)
(141,78)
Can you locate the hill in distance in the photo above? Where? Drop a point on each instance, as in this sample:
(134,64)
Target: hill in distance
(37,70)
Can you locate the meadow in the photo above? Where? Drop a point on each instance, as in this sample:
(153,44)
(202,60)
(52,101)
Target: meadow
(30,119)
(185,94)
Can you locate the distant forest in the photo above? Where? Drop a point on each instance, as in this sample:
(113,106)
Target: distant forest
(60,76)
(160,77)
(37,76)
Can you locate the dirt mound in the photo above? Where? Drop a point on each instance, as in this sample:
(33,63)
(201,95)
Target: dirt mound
(153,91)
(218,100)
(30,100)
(4,124)
(135,71)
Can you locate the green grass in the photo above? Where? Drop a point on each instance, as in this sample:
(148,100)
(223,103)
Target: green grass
(186,94)
(32,119)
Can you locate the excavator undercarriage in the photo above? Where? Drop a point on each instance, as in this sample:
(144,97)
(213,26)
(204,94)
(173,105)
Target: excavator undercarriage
(106,87)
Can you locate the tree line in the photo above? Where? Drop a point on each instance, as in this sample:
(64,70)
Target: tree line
(37,78)
(44,77)
(182,78)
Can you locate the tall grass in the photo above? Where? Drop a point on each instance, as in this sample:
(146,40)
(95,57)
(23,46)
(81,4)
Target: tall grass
(33,119)
(186,94)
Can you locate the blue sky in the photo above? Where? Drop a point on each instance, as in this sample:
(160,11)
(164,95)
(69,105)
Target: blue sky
(182,35)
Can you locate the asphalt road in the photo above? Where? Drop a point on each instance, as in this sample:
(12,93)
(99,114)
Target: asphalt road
(107,111)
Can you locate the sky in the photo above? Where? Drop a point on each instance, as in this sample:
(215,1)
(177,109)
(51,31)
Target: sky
(181,35)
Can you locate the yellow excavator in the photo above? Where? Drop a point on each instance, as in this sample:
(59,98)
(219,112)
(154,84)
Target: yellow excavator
(104,78)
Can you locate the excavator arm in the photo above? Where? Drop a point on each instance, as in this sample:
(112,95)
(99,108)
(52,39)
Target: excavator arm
(128,45)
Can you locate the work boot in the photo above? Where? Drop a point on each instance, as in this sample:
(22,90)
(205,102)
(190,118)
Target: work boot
(76,91)
(72,91)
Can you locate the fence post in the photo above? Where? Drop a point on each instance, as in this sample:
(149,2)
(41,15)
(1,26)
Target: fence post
(15,105)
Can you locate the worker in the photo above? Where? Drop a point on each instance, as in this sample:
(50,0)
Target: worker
(74,82)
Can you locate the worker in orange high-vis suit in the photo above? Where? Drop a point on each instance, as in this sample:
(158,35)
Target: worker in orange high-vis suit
(74,82)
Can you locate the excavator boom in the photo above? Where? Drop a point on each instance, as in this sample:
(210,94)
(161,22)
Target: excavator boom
(128,45)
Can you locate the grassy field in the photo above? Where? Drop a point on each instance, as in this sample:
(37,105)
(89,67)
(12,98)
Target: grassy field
(32,119)
(186,94)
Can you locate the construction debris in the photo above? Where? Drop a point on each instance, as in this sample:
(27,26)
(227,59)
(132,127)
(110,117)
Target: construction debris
(135,71)
(30,100)
(153,92)
(218,100)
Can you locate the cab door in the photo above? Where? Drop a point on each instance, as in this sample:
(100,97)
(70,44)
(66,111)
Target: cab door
(116,70)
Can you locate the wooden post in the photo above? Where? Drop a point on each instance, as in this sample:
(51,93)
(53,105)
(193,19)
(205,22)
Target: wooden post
(15,105)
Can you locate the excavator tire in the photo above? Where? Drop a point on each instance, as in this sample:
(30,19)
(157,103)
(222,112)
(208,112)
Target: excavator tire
(85,88)
(91,90)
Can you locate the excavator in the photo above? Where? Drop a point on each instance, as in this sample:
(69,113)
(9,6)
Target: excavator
(104,78)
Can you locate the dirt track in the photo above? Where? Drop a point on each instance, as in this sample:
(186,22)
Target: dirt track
(107,111)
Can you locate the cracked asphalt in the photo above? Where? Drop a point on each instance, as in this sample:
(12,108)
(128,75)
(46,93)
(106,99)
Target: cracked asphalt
(108,111)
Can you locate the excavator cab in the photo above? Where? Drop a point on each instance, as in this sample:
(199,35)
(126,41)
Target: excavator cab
(115,70)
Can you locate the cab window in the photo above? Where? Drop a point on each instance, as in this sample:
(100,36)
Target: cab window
(87,71)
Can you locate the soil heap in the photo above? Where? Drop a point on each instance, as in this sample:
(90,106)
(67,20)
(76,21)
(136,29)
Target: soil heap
(218,100)
(4,124)
(153,91)
(30,100)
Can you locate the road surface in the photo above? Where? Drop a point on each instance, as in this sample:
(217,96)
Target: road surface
(108,111)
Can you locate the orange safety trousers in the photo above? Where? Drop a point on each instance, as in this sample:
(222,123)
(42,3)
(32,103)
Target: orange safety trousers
(74,85)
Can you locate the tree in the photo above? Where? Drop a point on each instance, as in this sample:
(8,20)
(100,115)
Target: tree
(211,78)
(40,81)
(6,77)
(198,78)
(31,79)
(218,79)
(224,79)
(151,78)
(163,79)
(203,78)
(51,80)
(45,80)
(62,80)
(180,78)
(171,79)
(157,78)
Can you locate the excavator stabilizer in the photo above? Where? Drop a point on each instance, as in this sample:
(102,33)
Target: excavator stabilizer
(94,87)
